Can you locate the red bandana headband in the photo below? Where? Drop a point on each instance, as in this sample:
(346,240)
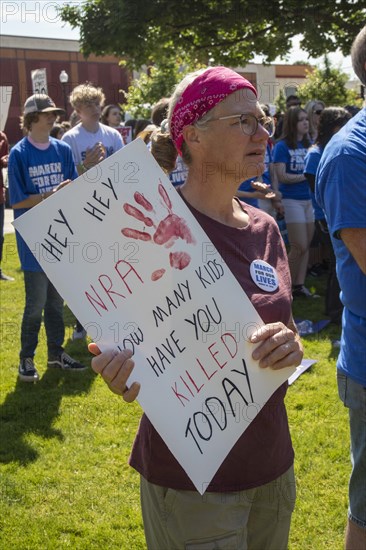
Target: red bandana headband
(206,91)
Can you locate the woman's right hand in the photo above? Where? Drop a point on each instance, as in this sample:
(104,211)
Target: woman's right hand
(115,368)
(262,190)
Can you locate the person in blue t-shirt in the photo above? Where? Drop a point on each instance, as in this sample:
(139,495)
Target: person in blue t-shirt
(341,192)
(330,122)
(274,207)
(251,190)
(38,167)
(288,156)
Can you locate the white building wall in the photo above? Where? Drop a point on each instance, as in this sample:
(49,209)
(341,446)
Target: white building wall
(268,84)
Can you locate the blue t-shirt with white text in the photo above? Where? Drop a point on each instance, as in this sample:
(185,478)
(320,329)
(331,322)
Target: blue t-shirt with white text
(32,171)
(294,161)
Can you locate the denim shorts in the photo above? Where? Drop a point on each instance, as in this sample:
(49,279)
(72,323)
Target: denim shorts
(353,396)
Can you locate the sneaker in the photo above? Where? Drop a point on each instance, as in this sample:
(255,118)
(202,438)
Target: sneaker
(78,334)
(303,292)
(4,277)
(316,270)
(27,371)
(64,361)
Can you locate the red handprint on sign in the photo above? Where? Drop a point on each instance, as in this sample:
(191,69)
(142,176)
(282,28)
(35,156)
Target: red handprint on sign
(167,231)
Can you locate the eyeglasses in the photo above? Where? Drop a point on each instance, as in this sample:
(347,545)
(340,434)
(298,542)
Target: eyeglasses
(249,123)
(318,111)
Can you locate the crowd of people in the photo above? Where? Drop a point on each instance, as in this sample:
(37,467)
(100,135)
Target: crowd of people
(288,192)
(285,190)
(311,171)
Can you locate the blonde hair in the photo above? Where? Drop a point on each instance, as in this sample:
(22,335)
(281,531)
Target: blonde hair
(309,108)
(86,93)
(163,150)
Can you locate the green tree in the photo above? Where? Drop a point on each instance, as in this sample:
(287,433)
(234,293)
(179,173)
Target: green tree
(327,84)
(226,31)
(280,102)
(158,82)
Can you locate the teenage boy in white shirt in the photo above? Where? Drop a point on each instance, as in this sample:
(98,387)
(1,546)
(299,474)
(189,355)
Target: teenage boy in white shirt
(90,141)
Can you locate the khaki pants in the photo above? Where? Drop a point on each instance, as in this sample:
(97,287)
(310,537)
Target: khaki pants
(256,519)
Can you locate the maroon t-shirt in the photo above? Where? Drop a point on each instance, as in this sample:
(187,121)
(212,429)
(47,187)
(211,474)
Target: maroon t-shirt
(264,451)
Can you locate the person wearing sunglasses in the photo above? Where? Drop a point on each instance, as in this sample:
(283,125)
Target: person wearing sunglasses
(217,126)
(314,109)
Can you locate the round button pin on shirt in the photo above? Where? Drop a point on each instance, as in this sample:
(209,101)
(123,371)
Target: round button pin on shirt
(264,275)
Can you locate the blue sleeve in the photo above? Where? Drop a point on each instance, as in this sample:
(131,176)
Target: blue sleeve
(312,162)
(71,164)
(280,153)
(246,185)
(18,179)
(341,192)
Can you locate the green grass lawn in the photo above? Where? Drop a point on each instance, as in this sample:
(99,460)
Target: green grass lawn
(65,441)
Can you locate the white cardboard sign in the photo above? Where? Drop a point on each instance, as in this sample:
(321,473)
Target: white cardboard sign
(39,81)
(138,271)
(5,99)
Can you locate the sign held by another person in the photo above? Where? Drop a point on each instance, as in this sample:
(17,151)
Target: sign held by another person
(39,81)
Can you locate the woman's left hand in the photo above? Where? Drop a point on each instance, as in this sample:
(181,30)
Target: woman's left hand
(279,346)
(61,185)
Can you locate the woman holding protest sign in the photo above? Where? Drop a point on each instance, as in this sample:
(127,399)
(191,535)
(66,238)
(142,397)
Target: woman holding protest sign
(218,127)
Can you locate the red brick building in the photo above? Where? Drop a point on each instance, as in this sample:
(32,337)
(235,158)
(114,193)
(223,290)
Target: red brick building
(21,55)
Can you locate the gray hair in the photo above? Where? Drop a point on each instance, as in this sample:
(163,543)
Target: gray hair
(358,55)
(202,122)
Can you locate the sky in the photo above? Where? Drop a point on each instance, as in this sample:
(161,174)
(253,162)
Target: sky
(40,19)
